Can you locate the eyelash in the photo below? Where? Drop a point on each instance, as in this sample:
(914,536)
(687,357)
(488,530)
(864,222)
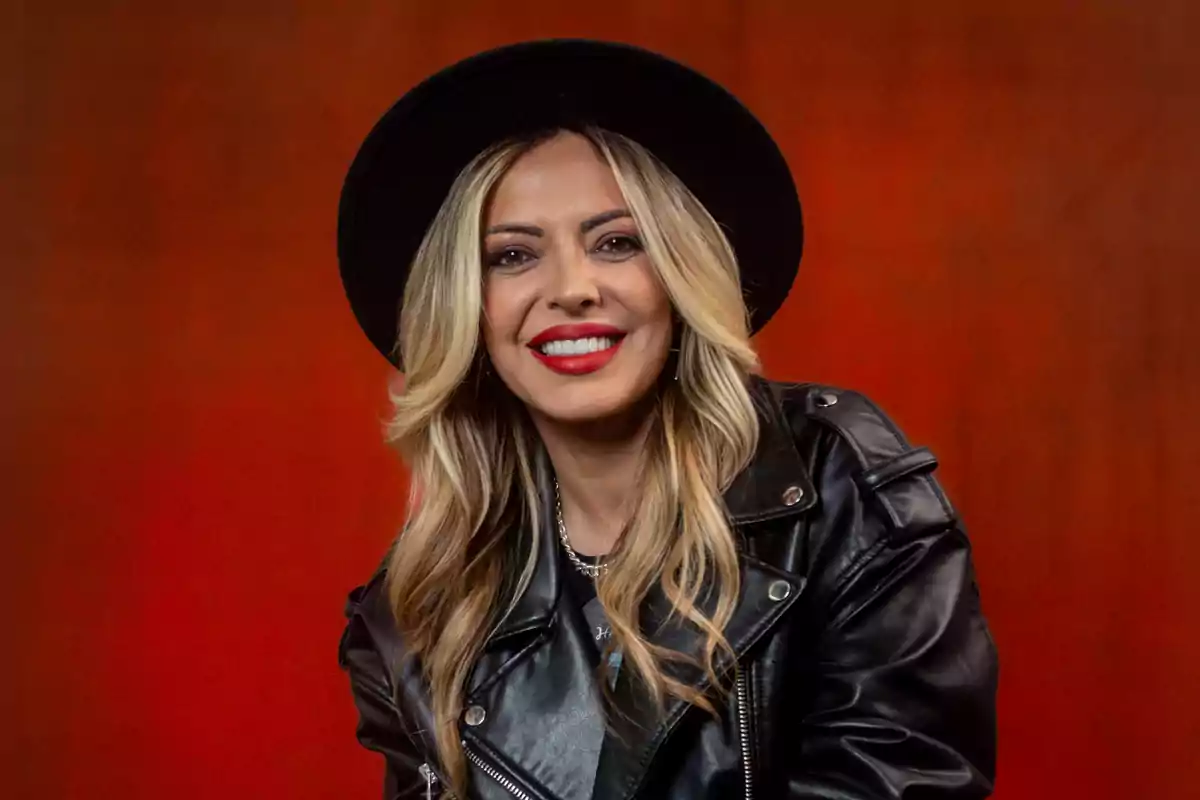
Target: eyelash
(632,241)
(496,257)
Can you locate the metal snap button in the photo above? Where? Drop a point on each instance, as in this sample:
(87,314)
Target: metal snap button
(779,590)
(792,495)
(826,400)
(475,716)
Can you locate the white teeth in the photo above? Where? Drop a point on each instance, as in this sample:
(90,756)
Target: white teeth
(577,347)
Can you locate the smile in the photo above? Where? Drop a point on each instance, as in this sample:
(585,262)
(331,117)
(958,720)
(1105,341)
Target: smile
(577,349)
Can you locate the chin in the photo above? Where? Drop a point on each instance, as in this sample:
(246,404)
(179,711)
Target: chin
(589,403)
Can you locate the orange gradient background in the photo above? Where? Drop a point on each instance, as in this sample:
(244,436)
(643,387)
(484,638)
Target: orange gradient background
(1001,204)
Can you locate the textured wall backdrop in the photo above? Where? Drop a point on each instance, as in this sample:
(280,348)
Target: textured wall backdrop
(1002,251)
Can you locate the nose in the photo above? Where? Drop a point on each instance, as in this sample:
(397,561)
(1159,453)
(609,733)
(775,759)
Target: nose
(573,287)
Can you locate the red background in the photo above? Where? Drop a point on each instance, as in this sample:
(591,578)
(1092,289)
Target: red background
(1001,203)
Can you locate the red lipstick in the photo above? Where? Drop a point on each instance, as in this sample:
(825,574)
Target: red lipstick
(577,363)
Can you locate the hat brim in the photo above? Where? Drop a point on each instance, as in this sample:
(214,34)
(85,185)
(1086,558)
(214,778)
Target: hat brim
(713,143)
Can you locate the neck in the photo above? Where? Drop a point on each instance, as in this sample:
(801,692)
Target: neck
(597,465)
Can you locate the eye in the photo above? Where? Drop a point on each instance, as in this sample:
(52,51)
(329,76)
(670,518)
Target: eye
(619,245)
(508,257)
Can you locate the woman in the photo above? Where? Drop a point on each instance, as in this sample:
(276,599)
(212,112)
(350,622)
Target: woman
(630,567)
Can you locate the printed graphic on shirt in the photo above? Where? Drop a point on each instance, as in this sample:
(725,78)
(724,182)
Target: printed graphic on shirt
(597,622)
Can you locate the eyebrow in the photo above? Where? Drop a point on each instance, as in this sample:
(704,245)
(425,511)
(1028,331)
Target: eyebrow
(589,224)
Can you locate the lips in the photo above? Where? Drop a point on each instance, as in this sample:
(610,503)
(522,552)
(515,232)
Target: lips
(577,349)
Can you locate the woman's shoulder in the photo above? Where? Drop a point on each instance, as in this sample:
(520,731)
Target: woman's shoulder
(849,416)
(851,413)
(846,436)
(369,619)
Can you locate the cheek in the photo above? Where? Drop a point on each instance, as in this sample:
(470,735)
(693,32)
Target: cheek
(654,307)
(503,313)
(493,322)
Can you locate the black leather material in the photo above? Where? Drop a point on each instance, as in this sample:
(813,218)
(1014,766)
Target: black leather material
(868,668)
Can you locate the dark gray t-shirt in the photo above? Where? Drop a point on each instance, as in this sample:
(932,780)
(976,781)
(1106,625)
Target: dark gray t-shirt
(582,592)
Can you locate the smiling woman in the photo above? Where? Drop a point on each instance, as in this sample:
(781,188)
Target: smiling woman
(631,567)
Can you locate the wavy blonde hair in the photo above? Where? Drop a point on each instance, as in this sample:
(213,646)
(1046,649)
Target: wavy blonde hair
(453,572)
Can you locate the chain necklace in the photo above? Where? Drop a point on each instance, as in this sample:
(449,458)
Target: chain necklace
(593,571)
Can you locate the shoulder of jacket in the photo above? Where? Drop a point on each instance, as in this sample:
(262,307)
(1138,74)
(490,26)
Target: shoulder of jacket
(362,599)
(367,609)
(889,470)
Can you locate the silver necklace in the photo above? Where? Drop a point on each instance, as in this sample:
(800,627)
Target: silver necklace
(593,571)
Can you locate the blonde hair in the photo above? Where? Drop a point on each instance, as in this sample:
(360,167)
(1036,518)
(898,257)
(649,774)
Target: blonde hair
(474,465)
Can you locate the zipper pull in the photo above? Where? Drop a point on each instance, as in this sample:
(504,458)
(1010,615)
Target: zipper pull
(430,779)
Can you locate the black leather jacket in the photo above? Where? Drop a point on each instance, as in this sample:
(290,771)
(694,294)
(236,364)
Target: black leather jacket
(866,666)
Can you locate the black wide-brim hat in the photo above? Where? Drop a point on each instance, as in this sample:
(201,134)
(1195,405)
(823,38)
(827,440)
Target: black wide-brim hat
(701,132)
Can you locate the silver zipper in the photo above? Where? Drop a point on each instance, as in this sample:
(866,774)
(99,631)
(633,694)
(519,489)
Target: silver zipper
(496,775)
(744,728)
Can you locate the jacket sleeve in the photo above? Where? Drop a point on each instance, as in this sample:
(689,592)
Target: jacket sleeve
(903,674)
(380,724)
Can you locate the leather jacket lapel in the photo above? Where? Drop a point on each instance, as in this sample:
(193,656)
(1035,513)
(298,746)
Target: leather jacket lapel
(637,731)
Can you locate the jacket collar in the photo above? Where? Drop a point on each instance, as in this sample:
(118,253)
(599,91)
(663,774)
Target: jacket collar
(777,481)
(775,484)
(534,608)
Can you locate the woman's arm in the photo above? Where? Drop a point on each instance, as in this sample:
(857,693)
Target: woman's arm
(903,702)
(899,694)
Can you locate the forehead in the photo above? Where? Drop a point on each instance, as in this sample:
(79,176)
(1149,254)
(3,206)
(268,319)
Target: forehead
(561,178)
